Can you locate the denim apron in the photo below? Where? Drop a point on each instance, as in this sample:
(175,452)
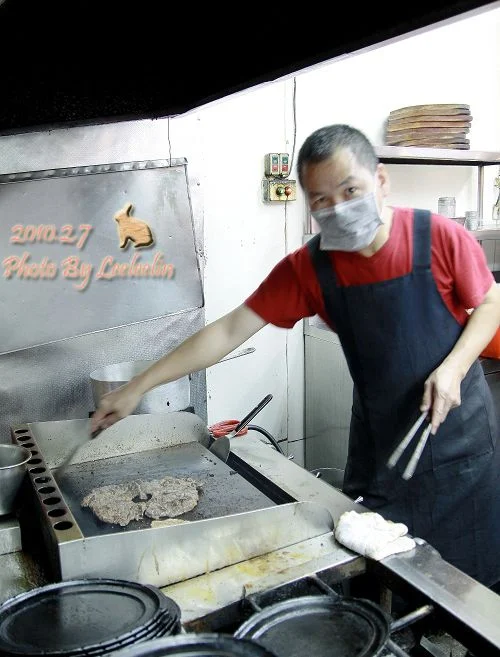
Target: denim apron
(394,334)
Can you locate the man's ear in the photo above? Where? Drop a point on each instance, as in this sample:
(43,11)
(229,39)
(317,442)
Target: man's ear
(383,179)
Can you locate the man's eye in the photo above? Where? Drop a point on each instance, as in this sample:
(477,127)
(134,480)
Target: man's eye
(352,191)
(317,202)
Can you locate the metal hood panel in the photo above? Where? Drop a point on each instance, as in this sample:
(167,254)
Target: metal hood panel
(75,249)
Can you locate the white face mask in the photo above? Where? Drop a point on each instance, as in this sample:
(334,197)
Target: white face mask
(349,226)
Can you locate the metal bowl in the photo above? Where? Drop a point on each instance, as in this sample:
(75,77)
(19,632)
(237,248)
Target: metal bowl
(13,460)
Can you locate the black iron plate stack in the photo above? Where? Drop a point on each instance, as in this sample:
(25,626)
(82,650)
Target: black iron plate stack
(85,617)
(198,645)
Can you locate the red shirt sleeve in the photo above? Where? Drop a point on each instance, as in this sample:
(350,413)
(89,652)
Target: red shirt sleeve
(289,293)
(459,265)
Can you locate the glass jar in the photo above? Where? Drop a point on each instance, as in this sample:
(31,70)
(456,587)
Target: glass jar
(471,220)
(447,206)
(496,206)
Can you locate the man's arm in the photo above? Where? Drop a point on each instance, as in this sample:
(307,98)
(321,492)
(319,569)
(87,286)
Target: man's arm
(197,352)
(442,388)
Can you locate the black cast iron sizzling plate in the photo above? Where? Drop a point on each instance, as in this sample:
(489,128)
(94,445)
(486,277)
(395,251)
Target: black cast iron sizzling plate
(319,625)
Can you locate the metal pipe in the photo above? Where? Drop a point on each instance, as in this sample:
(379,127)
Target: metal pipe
(480,193)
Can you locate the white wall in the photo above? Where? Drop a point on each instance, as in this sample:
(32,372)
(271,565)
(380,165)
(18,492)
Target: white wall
(243,240)
(225,143)
(453,63)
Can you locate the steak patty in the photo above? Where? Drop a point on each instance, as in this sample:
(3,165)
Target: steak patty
(119,504)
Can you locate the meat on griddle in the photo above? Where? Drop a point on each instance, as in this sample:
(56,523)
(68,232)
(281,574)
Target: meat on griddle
(119,504)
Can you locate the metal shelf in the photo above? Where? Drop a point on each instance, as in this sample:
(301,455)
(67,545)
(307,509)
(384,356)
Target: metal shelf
(444,157)
(448,156)
(486,234)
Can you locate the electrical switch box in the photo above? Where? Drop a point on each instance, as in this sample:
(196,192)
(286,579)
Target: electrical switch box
(284,165)
(279,190)
(272,164)
(277,165)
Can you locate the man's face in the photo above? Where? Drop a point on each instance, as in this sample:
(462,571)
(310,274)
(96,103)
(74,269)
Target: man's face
(340,179)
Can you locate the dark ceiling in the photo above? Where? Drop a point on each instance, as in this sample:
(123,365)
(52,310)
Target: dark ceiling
(69,62)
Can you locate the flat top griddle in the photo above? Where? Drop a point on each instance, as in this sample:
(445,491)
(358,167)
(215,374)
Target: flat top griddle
(222,491)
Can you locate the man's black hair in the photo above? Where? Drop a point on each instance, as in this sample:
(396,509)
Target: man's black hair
(324,142)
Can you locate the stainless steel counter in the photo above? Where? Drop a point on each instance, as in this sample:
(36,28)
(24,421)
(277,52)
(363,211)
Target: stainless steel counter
(19,573)
(443,586)
(56,438)
(460,598)
(10,534)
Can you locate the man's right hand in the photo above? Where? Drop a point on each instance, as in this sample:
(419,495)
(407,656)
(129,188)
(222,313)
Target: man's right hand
(116,405)
(197,352)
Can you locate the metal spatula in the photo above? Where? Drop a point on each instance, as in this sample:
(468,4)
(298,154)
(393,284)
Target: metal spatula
(69,458)
(222,446)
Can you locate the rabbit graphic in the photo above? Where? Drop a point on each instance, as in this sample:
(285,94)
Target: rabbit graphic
(130,228)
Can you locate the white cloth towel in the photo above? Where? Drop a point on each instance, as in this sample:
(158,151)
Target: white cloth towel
(371,535)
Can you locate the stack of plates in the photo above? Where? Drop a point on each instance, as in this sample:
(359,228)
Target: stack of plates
(198,645)
(85,617)
(431,126)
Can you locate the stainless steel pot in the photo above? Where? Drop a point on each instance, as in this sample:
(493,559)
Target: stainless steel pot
(174,396)
(332,476)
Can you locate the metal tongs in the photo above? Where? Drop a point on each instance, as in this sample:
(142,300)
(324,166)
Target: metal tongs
(221,447)
(412,463)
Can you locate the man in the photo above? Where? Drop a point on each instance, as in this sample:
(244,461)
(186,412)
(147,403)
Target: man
(396,284)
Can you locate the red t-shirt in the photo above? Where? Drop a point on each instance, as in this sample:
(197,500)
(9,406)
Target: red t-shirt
(291,291)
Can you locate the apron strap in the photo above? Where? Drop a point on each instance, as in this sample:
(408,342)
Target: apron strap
(333,298)
(421,240)
(322,265)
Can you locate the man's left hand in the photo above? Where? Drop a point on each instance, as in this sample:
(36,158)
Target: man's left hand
(441,393)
